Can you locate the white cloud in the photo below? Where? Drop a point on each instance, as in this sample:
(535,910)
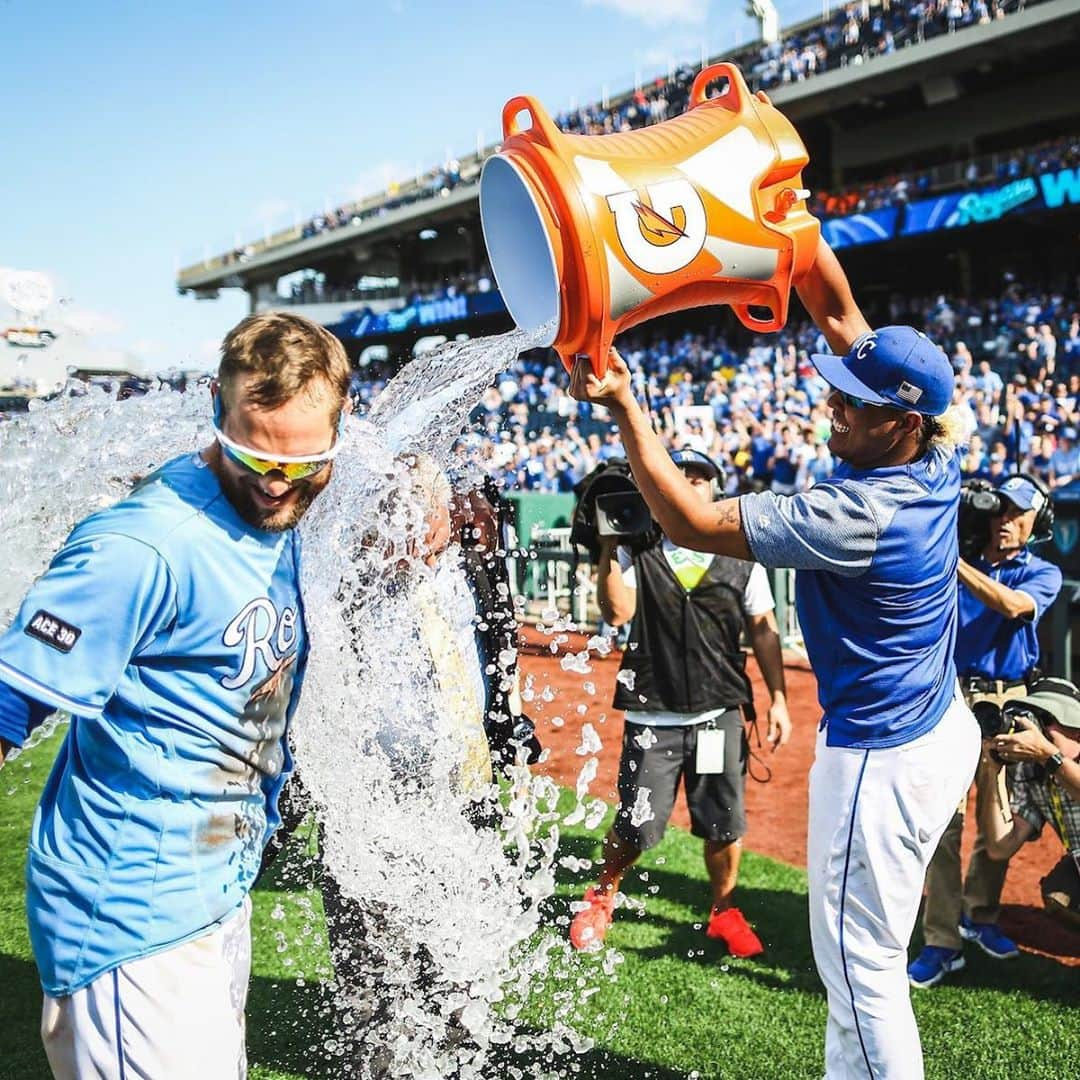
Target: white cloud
(657,12)
(87,322)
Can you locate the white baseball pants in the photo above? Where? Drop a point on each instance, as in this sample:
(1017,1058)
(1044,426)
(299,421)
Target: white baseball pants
(875,820)
(175,1015)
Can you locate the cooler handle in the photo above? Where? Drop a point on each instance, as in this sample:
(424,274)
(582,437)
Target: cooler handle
(731,98)
(542,127)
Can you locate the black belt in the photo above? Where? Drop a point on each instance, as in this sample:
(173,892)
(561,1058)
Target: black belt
(976,684)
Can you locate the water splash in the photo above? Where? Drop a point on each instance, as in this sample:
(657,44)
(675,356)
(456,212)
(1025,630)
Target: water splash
(450,912)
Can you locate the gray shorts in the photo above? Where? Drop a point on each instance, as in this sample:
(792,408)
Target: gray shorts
(717,810)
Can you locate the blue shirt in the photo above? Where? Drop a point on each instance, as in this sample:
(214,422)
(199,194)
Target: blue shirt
(173,633)
(995,647)
(876,552)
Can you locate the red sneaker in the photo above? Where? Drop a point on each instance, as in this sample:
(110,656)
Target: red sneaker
(734,931)
(589,925)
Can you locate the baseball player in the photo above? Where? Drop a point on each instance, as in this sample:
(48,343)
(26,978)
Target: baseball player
(171,627)
(876,547)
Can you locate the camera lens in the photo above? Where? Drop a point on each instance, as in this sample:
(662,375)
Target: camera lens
(988,717)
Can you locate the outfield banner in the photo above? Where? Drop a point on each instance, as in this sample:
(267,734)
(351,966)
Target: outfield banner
(866,228)
(958,209)
(365,323)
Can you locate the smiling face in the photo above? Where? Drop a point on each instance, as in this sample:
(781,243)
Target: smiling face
(304,425)
(871,436)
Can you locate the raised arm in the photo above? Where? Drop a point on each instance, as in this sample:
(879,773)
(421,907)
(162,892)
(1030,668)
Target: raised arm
(826,294)
(685,519)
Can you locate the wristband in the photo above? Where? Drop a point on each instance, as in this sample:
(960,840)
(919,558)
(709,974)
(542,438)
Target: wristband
(1053,763)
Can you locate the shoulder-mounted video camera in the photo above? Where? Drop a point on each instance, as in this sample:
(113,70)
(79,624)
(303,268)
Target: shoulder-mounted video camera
(980,501)
(610,506)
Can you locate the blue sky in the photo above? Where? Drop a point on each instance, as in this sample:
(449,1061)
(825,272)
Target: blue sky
(139,135)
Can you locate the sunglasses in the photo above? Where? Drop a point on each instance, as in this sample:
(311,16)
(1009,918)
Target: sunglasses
(851,400)
(292,468)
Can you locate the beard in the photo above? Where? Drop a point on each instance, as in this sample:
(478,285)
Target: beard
(242,495)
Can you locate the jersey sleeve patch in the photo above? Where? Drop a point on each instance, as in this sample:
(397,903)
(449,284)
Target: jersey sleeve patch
(53,631)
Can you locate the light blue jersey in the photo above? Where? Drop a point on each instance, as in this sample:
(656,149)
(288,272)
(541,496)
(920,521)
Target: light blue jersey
(876,552)
(173,632)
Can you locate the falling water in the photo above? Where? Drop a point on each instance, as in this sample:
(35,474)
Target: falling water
(453,944)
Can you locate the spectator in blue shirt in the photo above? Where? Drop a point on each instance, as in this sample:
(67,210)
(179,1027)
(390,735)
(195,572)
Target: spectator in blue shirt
(1001,599)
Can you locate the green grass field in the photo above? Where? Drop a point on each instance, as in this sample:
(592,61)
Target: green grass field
(675,1007)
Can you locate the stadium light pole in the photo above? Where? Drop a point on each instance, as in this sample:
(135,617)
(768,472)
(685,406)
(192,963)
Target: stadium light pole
(765,12)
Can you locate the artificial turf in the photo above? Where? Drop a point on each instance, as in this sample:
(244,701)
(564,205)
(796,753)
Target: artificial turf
(674,1006)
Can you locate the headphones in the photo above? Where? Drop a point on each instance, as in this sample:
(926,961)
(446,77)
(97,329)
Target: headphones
(688,456)
(1043,528)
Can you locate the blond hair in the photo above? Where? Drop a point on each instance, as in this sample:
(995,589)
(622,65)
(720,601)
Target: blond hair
(284,355)
(951,430)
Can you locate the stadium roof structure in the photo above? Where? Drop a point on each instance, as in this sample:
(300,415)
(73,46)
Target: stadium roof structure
(927,73)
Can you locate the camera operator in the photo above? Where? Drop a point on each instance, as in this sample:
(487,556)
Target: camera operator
(1044,743)
(1003,593)
(683,686)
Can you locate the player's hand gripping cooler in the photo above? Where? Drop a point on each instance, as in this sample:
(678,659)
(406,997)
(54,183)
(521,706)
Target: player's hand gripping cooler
(596,233)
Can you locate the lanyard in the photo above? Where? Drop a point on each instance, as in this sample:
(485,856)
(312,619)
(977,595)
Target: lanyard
(1057,810)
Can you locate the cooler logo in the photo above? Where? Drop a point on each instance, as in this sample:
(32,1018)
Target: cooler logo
(662,230)
(53,631)
(263,633)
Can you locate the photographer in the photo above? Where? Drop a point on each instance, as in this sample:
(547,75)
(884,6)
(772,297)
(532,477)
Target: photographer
(683,686)
(1003,593)
(1044,743)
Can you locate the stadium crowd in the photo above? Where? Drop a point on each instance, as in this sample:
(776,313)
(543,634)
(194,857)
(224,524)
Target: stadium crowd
(761,410)
(901,188)
(853,33)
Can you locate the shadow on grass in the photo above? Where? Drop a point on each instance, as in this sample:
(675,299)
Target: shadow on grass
(288,1027)
(20,1019)
(780,918)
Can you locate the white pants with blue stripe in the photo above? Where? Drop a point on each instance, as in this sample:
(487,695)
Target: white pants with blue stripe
(875,820)
(175,1015)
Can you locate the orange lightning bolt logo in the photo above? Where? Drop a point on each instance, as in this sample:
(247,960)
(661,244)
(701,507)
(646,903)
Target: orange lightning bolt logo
(655,227)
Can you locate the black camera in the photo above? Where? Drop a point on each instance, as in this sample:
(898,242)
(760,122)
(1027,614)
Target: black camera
(994,720)
(979,502)
(622,514)
(610,506)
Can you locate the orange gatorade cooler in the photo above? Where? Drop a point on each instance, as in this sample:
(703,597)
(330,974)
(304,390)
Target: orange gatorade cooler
(591,234)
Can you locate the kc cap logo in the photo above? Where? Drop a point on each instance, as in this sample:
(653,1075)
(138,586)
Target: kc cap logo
(867,344)
(665,233)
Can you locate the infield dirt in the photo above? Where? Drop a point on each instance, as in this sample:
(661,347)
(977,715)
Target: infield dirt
(776,809)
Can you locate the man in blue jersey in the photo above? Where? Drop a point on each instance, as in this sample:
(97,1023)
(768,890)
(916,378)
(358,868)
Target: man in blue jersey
(171,628)
(1004,592)
(876,548)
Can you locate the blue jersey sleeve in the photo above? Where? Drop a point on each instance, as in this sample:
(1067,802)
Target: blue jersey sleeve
(1043,586)
(103,600)
(830,527)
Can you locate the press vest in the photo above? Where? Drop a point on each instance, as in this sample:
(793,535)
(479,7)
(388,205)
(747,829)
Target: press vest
(684,646)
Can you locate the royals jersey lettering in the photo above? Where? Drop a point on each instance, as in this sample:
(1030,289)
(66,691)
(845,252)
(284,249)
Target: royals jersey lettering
(173,633)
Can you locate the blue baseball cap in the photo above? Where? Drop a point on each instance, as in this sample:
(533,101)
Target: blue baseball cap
(897,366)
(687,458)
(1022,492)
